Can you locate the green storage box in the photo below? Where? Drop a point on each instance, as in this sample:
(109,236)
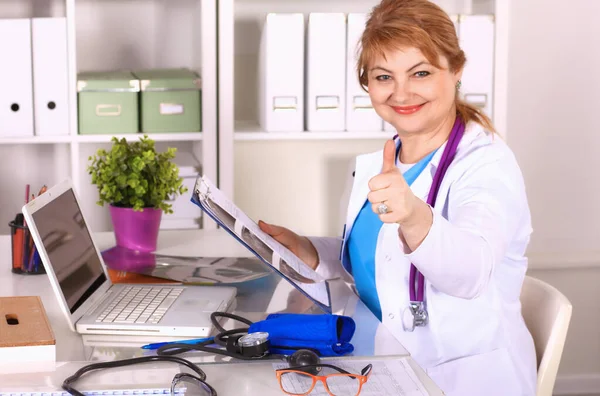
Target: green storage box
(108,102)
(170,100)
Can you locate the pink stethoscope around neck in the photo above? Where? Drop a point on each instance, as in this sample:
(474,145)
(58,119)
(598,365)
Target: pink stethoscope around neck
(415,315)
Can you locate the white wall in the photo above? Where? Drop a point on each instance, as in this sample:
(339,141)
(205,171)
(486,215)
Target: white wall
(296,184)
(554,96)
(553,123)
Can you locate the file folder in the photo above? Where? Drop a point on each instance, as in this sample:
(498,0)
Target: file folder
(50,76)
(16,96)
(476,34)
(360,114)
(281,73)
(326,72)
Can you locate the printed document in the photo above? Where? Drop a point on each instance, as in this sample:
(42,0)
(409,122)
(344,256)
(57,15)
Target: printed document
(214,203)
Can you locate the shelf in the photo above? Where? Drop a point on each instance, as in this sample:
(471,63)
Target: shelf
(261,7)
(157,137)
(249,131)
(35,139)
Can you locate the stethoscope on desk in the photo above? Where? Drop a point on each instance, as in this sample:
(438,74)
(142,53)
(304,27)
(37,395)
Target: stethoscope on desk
(237,343)
(415,315)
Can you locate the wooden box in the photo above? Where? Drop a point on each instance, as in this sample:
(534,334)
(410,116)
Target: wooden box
(25,332)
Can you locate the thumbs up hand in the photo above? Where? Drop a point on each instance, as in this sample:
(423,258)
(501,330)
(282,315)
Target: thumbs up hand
(391,197)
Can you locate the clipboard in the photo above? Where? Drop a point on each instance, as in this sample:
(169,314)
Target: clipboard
(273,254)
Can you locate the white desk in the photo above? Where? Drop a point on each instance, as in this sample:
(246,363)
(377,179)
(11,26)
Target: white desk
(371,338)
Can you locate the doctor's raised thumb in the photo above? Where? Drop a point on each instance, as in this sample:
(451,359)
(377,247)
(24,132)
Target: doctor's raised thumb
(389,157)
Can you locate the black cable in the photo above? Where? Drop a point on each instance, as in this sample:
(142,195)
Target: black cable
(67,383)
(165,350)
(214,315)
(221,339)
(225,338)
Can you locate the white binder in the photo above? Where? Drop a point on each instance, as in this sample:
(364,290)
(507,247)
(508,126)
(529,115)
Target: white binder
(326,72)
(16,103)
(476,34)
(281,73)
(360,114)
(454,19)
(50,76)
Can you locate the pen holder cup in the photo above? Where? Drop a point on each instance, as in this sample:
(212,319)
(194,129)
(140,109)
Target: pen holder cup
(25,258)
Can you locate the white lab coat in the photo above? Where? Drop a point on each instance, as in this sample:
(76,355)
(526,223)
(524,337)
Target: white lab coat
(476,342)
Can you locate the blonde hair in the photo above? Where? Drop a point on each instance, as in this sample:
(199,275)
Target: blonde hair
(421,24)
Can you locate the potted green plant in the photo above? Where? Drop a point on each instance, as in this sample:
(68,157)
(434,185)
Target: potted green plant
(137,182)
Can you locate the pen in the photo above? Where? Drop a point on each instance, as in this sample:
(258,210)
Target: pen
(31,246)
(193,341)
(36,259)
(25,234)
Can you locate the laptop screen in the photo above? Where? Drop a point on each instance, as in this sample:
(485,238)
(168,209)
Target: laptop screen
(69,246)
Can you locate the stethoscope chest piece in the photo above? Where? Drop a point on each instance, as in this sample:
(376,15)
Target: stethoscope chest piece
(414,315)
(408,320)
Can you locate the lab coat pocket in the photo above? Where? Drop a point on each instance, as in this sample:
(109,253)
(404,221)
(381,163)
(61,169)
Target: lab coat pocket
(489,373)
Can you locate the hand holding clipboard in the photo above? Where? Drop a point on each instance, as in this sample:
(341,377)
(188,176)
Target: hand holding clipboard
(271,252)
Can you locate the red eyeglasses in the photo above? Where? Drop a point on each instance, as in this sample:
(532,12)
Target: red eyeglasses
(297,381)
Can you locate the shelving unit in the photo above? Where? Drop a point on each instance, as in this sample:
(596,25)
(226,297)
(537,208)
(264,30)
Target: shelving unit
(36,140)
(249,131)
(296,178)
(112,35)
(157,137)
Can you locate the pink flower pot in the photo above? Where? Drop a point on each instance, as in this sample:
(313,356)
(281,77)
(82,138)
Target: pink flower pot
(136,230)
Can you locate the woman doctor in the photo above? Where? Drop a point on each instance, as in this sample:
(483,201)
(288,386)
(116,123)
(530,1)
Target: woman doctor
(438,221)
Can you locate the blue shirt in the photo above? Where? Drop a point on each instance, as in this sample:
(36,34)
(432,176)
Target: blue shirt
(362,243)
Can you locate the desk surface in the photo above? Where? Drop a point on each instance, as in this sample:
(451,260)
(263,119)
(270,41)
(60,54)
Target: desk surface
(370,340)
(239,379)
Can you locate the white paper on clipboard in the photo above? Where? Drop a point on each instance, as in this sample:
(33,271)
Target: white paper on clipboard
(216,204)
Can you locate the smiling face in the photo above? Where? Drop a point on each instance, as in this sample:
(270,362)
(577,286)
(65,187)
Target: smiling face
(410,93)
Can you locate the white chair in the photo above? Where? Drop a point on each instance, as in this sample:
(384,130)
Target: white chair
(547,313)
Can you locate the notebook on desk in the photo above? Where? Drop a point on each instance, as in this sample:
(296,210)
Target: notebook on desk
(89,300)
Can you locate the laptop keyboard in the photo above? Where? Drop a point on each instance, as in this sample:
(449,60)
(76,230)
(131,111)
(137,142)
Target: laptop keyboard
(140,304)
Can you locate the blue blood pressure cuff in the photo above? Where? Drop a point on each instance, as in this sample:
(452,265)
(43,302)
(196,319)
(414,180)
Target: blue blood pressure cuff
(328,335)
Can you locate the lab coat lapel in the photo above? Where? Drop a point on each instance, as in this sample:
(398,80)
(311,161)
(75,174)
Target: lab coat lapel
(422,184)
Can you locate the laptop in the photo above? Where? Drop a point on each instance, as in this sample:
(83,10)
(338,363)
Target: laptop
(90,301)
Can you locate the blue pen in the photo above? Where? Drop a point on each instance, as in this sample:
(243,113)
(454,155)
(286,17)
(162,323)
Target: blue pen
(193,341)
(36,260)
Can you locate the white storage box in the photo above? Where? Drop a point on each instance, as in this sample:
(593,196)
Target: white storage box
(186,214)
